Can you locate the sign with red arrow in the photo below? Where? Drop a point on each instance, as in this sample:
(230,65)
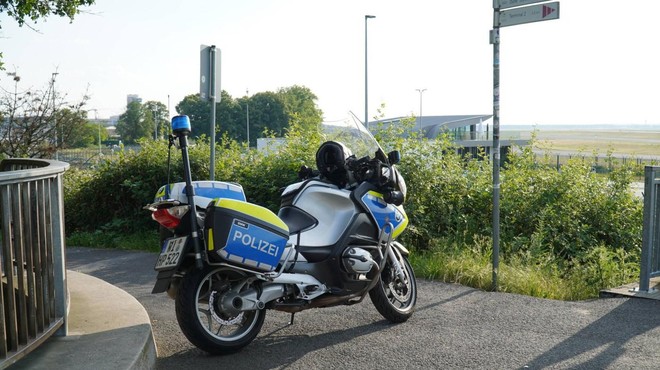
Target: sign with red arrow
(527,14)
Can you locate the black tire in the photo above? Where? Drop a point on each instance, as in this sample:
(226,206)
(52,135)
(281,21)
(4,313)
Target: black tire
(210,330)
(393,298)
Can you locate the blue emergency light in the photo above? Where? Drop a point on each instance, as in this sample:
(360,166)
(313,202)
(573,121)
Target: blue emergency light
(181,125)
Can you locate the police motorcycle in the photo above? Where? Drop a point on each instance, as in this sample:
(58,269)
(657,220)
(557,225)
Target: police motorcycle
(226,261)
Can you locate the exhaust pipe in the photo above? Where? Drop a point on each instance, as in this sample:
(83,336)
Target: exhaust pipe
(234,303)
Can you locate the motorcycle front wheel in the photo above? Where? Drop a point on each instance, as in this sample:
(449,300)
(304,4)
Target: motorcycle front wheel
(200,318)
(393,297)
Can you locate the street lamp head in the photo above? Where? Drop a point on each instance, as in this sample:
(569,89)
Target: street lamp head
(369,16)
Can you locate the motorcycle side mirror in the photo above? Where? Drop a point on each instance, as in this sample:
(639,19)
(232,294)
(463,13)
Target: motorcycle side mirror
(394,157)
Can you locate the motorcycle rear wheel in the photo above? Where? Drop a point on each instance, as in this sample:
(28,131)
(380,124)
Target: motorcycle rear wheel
(202,322)
(393,298)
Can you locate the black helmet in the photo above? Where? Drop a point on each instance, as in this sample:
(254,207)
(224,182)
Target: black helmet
(331,162)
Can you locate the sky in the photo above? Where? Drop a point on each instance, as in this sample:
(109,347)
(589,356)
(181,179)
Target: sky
(597,64)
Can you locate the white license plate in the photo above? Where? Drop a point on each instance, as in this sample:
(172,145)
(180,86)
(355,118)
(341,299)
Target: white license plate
(171,253)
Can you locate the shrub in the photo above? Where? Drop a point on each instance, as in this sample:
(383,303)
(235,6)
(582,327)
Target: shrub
(112,196)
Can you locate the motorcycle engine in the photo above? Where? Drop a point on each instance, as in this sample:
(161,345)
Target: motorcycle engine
(357,260)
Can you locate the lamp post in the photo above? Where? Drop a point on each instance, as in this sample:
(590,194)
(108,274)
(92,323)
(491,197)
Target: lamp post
(96,120)
(421,91)
(16,78)
(247,108)
(154,112)
(57,156)
(366,89)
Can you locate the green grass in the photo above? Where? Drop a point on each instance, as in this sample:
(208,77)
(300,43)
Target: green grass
(619,142)
(477,272)
(541,277)
(144,241)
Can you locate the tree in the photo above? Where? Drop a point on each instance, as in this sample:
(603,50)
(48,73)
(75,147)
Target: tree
(199,113)
(74,128)
(35,123)
(155,114)
(22,10)
(133,124)
(301,101)
(232,117)
(87,136)
(268,111)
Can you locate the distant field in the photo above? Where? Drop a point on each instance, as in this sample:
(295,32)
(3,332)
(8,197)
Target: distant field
(620,142)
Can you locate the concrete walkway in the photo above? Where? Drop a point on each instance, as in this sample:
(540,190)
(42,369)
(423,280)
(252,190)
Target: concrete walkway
(108,329)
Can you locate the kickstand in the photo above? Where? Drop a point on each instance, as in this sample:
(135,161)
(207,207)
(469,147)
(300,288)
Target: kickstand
(291,321)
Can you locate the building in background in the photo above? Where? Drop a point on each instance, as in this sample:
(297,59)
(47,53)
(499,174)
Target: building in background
(469,132)
(133,97)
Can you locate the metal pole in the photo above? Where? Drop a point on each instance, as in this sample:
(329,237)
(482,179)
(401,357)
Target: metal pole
(96,118)
(247,103)
(59,252)
(57,155)
(421,91)
(649,227)
(213,97)
(155,124)
(495,40)
(366,88)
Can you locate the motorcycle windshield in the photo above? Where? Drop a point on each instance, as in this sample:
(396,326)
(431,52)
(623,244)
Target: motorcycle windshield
(353,135)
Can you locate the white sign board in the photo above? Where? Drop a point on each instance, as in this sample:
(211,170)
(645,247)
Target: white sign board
(527,14)
(504,4)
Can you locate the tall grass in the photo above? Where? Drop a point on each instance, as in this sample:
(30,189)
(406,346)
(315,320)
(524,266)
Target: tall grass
(543,277)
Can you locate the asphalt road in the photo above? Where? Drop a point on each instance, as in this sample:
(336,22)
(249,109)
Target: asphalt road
(454,327)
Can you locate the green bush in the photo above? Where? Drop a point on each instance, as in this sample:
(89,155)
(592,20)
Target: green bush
(449,196)
(567,213)
(111,198)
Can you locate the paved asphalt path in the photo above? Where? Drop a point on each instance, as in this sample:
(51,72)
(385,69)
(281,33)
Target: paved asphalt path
(455,327)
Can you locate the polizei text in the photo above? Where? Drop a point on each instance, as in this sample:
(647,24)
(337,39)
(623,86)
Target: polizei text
(259,244)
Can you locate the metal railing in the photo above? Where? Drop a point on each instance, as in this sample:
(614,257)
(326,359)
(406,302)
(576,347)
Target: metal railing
(33,292)
(650,259)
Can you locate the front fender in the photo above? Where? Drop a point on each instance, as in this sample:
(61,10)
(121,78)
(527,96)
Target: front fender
(400,248)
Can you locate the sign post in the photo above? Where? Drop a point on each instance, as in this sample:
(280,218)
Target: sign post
(517,14)
(209,89)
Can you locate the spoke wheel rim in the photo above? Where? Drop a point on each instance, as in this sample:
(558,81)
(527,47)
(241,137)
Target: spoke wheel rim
(219,325)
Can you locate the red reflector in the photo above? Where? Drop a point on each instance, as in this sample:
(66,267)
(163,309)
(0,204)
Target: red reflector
(165,218)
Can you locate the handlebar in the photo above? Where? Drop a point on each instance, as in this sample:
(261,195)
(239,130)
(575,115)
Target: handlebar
(371,170)
(364,169)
